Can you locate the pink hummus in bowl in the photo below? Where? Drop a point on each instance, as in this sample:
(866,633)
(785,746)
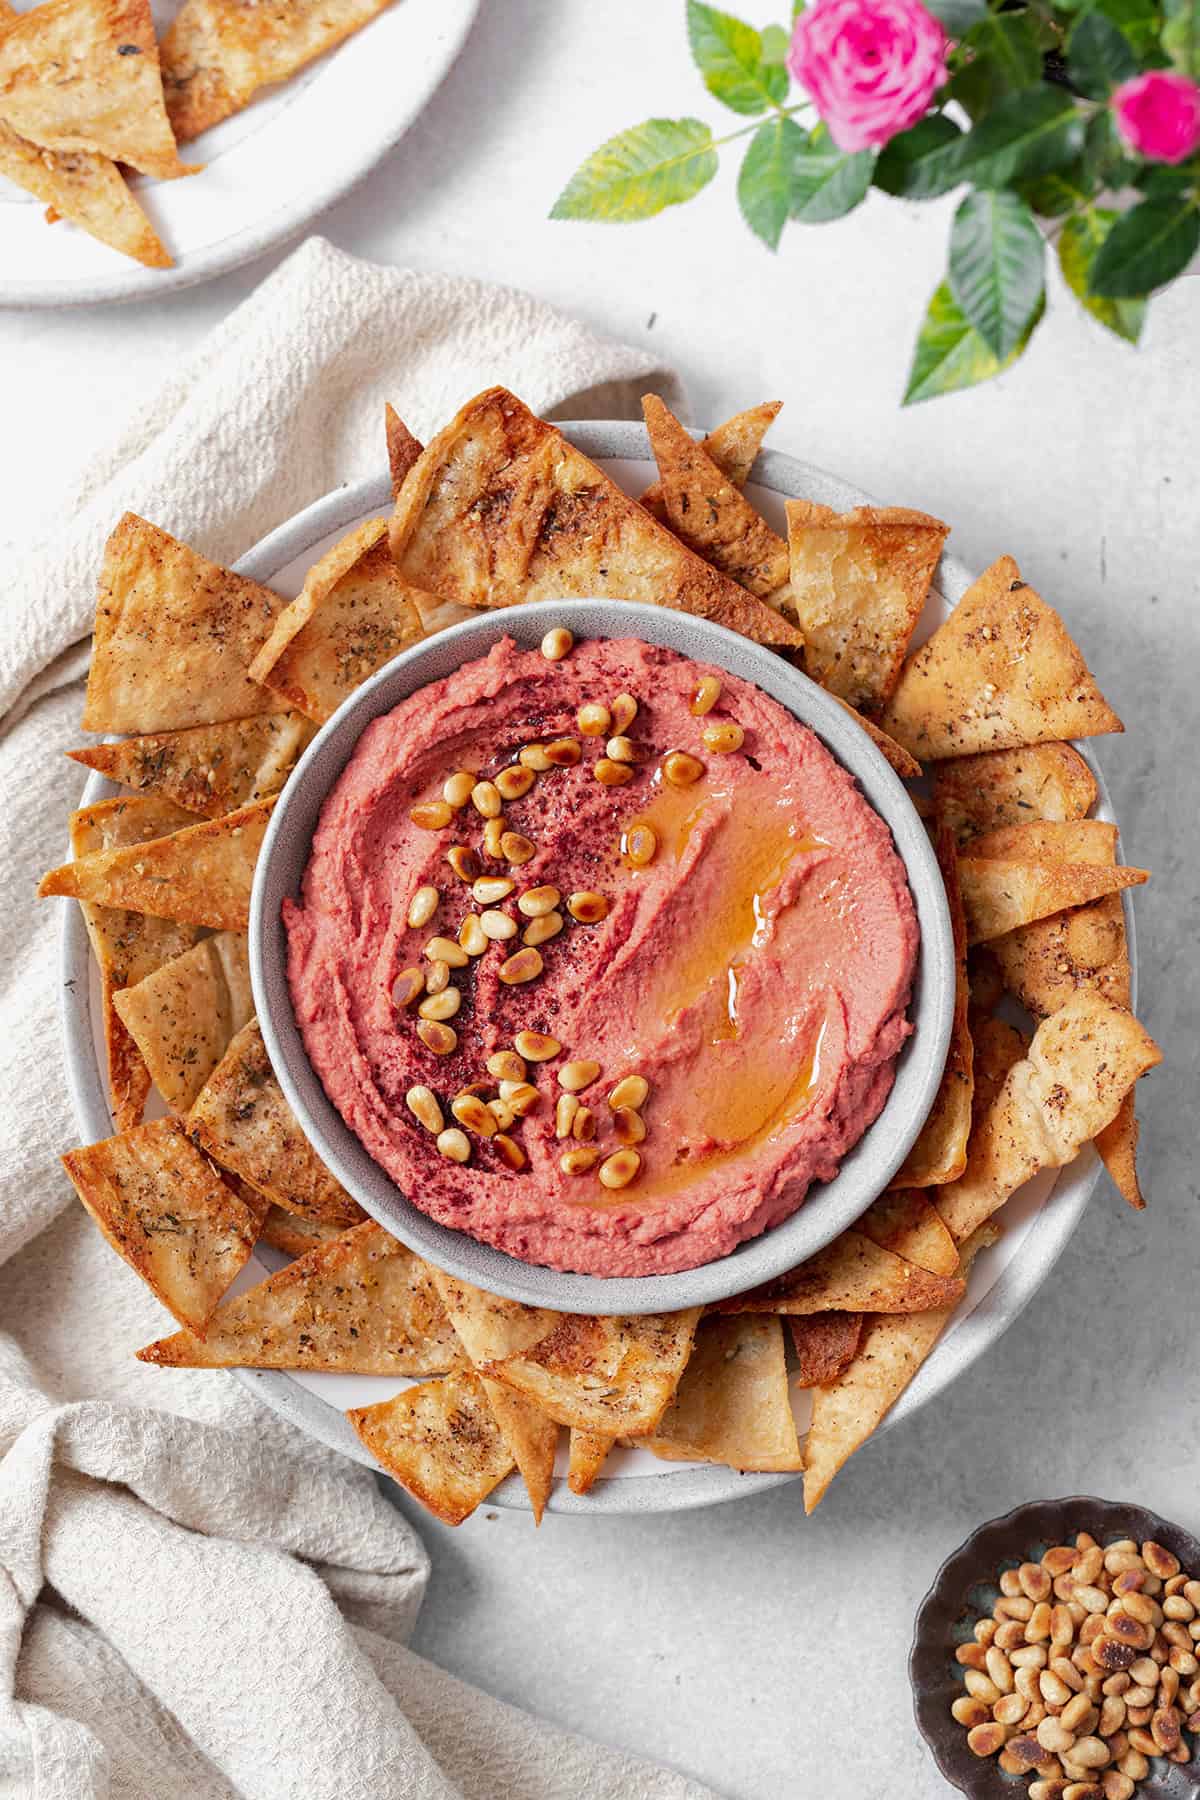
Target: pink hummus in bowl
(755,972)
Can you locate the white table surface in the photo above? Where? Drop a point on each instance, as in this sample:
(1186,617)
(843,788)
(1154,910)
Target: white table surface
(760,1651)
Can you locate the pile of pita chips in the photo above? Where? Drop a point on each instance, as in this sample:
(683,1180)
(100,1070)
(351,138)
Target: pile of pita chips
(184,1015)
(208,770)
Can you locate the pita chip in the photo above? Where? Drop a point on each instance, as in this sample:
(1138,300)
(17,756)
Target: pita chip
(908,1224)
(1002,671)
(1050,841)
(207,769)
(614,1375)
(242,1120)
(87,190)
(733,446)
(586,1456)
(184,1016)
(353,614)
(859,581)
(165,1211)
(441,1441)
(403,448)
(1117,1144)
(709,513)
(217,54)
(362,1304)
(1079,1066)
(128,946)
(500,508)
(291,1233)
(532,1438)
(201,874)
(974,794)
(852,1274)
(825,1344)
(732,1405)
(999,895)
(174,636)
(906,766)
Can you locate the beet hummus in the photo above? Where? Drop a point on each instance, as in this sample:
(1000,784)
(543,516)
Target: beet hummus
(701,900)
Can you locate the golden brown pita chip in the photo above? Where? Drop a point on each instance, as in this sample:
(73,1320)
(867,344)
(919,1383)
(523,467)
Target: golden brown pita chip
(998,1046)
(352,616)
(1043,964)
(908,1224)
(709,513)
(184,1016)
(846,1412)
(906,766)
(612,1375)
(165,1210)
(826,1344)
(1080,1065)
(403,448)
(1001,672)
(532,1438)
(440,1441)
(84,75)
(858,583)
(360,1305)
(999,895)
(732,1405)
(1117,1144)
(733,446)
(217,54)
(491,1328)
(207,769)
(1010,787)
(1050,841)
(852,1274)
(87,190)
(243,1121)
(174,635)
(128,946)
(940,1152)
(587,1455)
(288,1232)
(201,874)
(500,508)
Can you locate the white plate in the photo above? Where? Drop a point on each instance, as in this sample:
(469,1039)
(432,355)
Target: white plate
(1037,1221)
(268,170)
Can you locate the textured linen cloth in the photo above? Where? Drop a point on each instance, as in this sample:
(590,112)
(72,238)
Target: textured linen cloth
(196,1600)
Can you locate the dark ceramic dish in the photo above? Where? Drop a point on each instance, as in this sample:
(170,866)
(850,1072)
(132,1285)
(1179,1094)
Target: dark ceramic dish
(965,1589)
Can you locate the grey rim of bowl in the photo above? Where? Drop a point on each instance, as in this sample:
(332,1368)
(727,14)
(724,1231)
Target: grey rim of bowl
(681,1489)
(967,1579)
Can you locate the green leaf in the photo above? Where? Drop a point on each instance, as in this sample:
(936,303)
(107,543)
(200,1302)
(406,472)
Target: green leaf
(1079,243)
(1002,57)
(640,171)
(1025,134)
(1105,162)
(1160,180)
(826,182)
(775,44)
(1099,56)
(921,163)
(1140,20)
(951,355)
(1051,196)
(996,267)
(1181,35)
(957,16)
(765,181)
(1153,243)
(729,55)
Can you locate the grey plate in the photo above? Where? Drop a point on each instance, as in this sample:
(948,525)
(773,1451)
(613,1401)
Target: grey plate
(679,1489)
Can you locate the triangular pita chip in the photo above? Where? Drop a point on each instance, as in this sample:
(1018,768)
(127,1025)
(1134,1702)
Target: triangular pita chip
(201,874)
(361,1305)
(604,1374)
(1050,841)
(207,769)
(1117,1144)
(1069,1086)
(858,583)
(732,1405)
(352,615)
(403,448)
(292,1233)
(184,1016)
(999,895)
(84,75)
(733,446)
(243,1121)
(825,1344)
(906,766)
(586,1456)
(501,508)
(893,1347)
(940,1151)
(87,190)
(531,1436)
(440,1441)
(128,946)
(1002,671)
(165,1210)
(908,1224)
(852,1274)
(1043,964)
(218,53)
(708,513)
(1009,787)
(174,635)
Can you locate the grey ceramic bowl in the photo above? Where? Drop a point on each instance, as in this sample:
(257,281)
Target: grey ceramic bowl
(965,1589)
(829,1208)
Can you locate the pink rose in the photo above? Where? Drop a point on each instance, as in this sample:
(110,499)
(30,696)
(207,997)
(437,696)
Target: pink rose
(871,66)
(1158,115)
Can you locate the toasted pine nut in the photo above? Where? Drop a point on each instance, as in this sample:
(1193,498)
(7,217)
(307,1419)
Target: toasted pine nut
(470,1111)
(514,781)
(1010,1709)
(565,1108)
(575,1076)
(422,906)
(533,756)
(1024,1752)
(999,1668)
(1134,1764)
(1112,1715)
(624,712)
(444,949)
(1140,1696)
(1027,1685)
(441,1039)
(489,890)
(708,692)
(516,848)
(485,798)
(1182,1661)
(621,749)
(617,1171)
(610,773)
(431,815)
(463,861)
(1054,1691)
(985,1631)
(503,1114)
(1016,1608)
(1138,1716)
(969,1711)
(584,1127)
(456,789)
(1058,1559)
(1168,1685)
(1142,1740)
(1127,1630)
(1029,1656)
(985,1740)
(1139,1607)
(1116,1786)
(563,752)
(681,770)
(1078,1714)
(1052,1735)
(1159,1561)
(525,965)
(557,643)
(454,1145)
(1009,1634)
(632,1091)
(542,929)
(497,927)
(535,902)
(1117,1559)
(1087,1569)
(1062,1626)
(628,1126)
(1037,1628)
(422,1103)
(1065,1669)
(594,719)
(588,906)
(408,984)
(1118,1684)
(579,1160)
(1175,1606)
(441,1006)
(1143,1673)
(1090,1752)
(1009,1583)
(1110,1654)
(1094,1599)
(509,1151)
(723,738)
(640,846)
(1034,1581)
(521,1096)
(472,936)
(535,1046)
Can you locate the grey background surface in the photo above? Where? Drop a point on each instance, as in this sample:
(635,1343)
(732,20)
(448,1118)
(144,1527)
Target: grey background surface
(758,1650)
